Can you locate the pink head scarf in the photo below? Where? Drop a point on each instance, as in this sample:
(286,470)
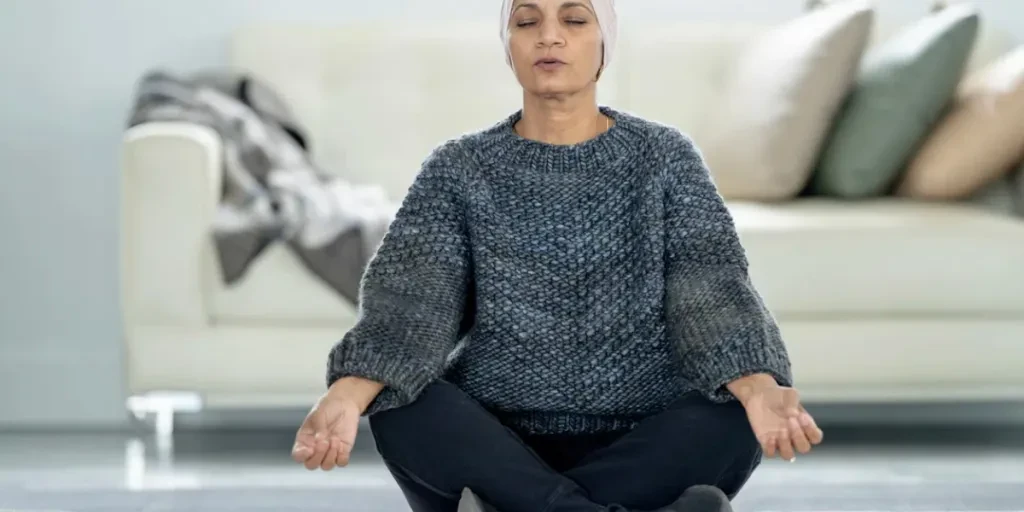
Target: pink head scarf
(606,19)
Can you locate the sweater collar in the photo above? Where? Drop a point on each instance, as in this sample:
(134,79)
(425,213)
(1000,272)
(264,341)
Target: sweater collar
(504,146)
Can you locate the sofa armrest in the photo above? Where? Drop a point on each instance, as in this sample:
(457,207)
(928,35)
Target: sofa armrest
(170,186)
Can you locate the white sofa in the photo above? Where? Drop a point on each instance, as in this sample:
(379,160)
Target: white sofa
(880,300)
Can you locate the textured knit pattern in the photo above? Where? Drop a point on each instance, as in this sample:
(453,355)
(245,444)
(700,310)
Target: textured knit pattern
(567,288)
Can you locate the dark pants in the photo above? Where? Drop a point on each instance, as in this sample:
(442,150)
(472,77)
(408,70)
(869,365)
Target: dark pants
(446,441)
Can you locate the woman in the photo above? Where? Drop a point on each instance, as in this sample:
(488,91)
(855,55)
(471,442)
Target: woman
(560,316)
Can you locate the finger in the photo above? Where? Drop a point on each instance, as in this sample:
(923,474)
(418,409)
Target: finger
(810,428)
(331,457)
(345,430)
(317,458)
(305,438)
(785,445)
(344,452)
(768,444)
(800,442)
(305,445)
(301,452)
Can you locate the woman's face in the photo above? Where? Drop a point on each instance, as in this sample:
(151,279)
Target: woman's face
(555,45)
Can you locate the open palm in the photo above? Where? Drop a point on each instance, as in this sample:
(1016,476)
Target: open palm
(327,435)
(780,422)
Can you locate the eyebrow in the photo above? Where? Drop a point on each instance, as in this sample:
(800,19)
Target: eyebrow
(565,5)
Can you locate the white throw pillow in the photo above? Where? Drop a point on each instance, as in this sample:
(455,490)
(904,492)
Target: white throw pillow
(777,106)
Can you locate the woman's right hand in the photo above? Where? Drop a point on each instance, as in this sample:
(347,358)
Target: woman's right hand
(328,433)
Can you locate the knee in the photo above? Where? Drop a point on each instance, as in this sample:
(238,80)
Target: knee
(738,439)
(735,425)
(724,427)
(397,430)
(737,450)
(425,406)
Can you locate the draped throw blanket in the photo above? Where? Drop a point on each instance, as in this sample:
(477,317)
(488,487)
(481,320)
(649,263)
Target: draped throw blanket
(272,190)
(1004,196)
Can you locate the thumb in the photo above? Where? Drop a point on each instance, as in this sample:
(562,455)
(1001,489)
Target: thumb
(318,424)
(313,424)
(305,441)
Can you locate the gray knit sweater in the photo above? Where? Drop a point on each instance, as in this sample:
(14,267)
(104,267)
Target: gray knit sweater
(566,288)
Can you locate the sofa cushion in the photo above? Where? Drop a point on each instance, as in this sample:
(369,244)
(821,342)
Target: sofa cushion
(979,140)
(763,139)
(809,258)
(816,257)
(904,86)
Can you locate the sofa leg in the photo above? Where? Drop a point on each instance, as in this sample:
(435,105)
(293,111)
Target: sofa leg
(162,406)
(164,422)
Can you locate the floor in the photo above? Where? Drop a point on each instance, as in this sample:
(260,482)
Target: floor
(862,469)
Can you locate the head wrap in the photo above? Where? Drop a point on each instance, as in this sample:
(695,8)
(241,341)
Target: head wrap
(607,20)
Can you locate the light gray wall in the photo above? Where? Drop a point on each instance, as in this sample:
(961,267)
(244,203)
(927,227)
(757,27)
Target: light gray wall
(68,68)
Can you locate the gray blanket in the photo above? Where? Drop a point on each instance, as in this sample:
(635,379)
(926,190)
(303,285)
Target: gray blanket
(1005,195)
(273,192)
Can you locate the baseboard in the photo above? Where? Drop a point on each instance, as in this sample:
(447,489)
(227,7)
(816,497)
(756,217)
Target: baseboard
(935,415)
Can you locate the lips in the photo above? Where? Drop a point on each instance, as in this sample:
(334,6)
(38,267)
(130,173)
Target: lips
(549,63)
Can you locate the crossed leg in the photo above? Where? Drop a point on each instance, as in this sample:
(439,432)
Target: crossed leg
(445,442)
(693,442)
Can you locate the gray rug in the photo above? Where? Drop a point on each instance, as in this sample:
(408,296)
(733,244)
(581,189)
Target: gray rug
(930,497)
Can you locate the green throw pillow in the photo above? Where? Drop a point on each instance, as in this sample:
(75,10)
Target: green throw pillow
(902,88)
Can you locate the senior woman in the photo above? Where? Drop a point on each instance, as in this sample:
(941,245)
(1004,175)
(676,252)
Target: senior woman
(560,317)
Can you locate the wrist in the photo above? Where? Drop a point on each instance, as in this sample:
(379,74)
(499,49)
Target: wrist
(357,391)
(748,386)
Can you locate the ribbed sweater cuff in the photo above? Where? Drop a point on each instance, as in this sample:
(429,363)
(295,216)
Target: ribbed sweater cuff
(403,380)
(719,364)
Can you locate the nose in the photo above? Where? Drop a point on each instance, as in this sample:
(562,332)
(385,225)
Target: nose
(551,35)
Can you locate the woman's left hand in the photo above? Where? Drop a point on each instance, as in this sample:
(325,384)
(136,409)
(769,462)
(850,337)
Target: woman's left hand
(779,421)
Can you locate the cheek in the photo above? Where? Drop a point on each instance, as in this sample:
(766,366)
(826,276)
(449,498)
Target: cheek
(518,52)
(589,50)
(522,63)
(597,47)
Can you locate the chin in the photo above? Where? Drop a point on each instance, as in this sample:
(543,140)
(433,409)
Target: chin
(554,87)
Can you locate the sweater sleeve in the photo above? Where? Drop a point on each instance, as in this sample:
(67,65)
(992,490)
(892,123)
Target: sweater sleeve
(719,321)
(414,291)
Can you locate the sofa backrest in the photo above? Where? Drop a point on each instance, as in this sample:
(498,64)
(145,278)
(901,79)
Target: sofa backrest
(377,97)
